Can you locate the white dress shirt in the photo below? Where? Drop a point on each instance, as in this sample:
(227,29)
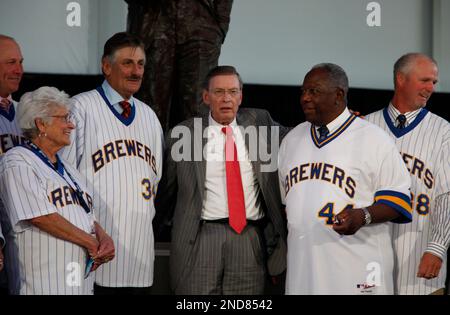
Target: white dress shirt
(410,116)
(215,204)
(336,123)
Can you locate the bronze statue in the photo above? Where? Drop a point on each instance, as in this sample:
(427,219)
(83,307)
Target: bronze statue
(182,40)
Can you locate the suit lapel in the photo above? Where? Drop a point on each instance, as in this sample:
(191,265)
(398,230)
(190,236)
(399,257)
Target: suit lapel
(244,120)
(200,166)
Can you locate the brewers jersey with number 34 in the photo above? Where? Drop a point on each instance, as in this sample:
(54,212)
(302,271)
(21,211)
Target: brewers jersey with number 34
(122,161)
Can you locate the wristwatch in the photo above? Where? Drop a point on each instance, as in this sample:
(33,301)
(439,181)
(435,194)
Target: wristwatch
(367,216)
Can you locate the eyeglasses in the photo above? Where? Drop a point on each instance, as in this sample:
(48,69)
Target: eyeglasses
(68,118)
(222,92)
(316,91)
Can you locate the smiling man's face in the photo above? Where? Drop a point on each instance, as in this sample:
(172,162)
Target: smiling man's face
(125,72)
(418,84)
(224,96)
(11,69)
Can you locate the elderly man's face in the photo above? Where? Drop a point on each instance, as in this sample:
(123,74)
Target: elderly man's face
(11,69)
(419,83)
(321,102)
(125,73)
(224,96)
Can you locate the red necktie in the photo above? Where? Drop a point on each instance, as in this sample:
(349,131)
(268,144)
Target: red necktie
(4,104)
(126,109)
(235,192)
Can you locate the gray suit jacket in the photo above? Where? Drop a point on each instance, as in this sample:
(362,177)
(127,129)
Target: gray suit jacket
(181,192)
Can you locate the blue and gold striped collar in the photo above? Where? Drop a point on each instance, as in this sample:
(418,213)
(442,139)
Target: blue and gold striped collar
(336,127)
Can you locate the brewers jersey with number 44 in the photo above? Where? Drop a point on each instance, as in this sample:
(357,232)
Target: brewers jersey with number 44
(122,161)
(356,165)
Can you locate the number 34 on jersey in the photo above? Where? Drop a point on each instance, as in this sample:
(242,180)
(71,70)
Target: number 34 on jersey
(149,189)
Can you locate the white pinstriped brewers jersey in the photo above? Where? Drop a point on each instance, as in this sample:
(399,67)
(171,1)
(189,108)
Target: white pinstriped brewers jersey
(10,136)
(425,147)
(47,265)
(10,133)
(356,165)
(122,161)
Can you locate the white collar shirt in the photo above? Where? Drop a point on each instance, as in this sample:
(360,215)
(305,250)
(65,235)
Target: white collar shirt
(215,203)
(394,113)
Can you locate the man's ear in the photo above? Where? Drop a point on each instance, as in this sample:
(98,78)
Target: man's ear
(106,66)
(400,78)
(205,96)
(241,97)
(340,95)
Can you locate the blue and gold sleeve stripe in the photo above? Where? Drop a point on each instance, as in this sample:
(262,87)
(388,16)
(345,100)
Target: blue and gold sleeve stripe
(400,202)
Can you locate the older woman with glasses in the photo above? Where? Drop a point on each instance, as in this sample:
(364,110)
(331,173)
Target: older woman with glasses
(56,241)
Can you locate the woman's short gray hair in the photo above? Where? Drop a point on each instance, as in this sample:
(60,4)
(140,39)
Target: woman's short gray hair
(40,103)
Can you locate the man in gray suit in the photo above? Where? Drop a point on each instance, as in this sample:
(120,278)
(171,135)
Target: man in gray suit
(213,251)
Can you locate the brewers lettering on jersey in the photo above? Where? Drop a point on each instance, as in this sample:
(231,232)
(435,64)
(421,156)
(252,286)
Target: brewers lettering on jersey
(10,134)
(353,167)
(423,140)
(342,180)
(425,148)
(121,159)
(46,264)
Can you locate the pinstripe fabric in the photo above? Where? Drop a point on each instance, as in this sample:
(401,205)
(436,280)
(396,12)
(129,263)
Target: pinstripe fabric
(225,263)
(181,193)
(9,133)
(44,263)
(124,182)
(410,116)
(426,151)
(10,136)
(3,281)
